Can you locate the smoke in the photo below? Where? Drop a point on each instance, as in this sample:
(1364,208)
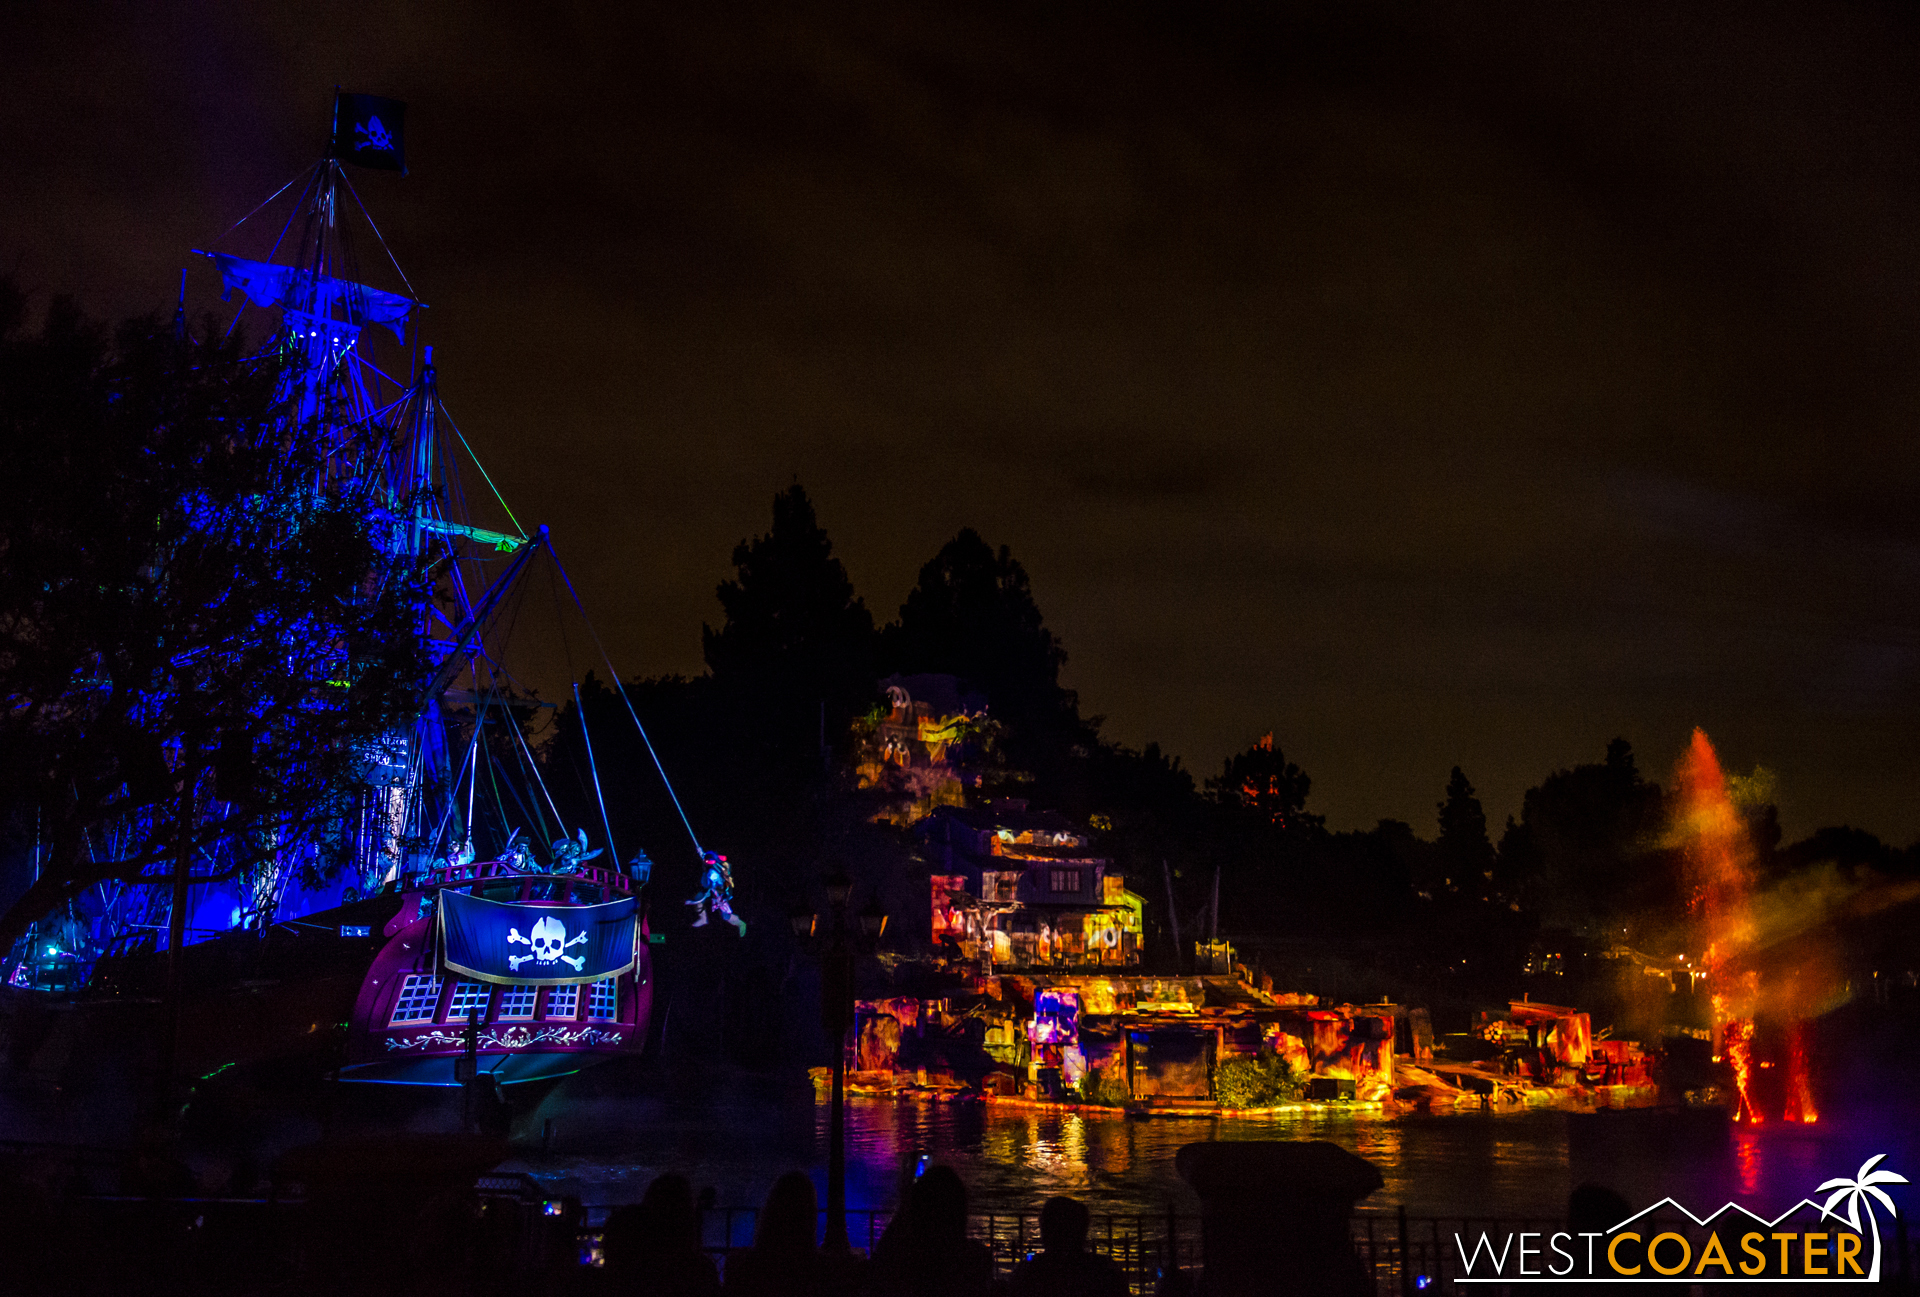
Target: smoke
(1772,950)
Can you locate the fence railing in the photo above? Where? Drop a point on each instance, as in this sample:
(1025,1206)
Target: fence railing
(1407,1255)
(1143,1246)
(1404,1254)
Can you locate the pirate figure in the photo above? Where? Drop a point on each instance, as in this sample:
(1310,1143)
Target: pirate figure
(460,854)
(716,895)
(569,855)
(515,855)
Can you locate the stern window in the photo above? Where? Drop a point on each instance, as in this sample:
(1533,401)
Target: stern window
(419,997)
(517,1001)
(563,1001)
(603,1000)
(466,997)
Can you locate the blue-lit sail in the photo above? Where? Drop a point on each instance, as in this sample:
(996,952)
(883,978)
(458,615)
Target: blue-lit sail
(339,306)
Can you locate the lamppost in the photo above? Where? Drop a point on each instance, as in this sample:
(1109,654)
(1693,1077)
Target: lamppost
(836,1016)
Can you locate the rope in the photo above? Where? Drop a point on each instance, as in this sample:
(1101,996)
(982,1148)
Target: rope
(534,768)
(276,193)
(580,713)
(313,174)
(622,690)
(381,237)
(441,406)
(473,760)
(454,801)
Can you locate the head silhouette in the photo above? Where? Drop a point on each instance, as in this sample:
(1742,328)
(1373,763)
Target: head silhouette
(788,1222)
(666,1214)
(938,1207)
(1063,1225)
(1596,1207)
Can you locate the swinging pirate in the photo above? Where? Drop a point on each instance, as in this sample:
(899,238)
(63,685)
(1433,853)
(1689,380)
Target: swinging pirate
(716,895)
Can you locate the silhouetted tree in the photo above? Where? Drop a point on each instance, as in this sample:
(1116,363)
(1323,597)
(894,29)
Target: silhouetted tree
(1153,823)
(1850,848)
(1463,852)
(1267,787)
(186,617)
(793,623)
(1596,829)
(972,615)
(1518,871)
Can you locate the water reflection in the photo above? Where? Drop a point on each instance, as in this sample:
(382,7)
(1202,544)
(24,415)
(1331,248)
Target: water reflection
(739,1135)
(1513,1164)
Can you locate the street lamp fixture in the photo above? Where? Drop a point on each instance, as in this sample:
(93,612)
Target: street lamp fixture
(873,920)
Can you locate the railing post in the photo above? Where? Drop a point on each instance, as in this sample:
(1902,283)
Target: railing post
(1406,1255)
(1173,1240)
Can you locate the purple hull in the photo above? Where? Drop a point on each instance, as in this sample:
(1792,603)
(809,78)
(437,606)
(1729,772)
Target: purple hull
(410,1023)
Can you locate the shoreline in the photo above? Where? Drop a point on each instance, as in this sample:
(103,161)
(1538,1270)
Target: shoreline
(1517,1099)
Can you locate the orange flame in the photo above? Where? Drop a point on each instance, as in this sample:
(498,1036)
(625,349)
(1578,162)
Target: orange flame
(1717,855)
(1737,1036)
(1799,1087)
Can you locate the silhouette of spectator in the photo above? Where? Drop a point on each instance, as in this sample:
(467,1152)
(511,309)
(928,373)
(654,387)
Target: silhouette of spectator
(1065,1268)
(1594,1208)
(442,1240)
(925,1251)
(783,1261)
(655,1246)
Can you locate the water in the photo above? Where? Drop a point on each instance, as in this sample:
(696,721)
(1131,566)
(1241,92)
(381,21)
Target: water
(738,1133)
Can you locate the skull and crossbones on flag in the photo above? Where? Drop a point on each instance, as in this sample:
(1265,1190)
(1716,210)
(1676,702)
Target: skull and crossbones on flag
(548,944)
(368,131)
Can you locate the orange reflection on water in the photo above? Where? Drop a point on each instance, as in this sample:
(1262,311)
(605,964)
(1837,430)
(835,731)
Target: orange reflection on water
(1746,1160)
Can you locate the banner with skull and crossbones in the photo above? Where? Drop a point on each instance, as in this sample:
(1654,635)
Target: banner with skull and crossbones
(533,944)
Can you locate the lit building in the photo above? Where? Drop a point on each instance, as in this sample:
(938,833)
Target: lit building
(1014,888)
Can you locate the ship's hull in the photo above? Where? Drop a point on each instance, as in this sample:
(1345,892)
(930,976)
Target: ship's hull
(318,995)
(412,1025)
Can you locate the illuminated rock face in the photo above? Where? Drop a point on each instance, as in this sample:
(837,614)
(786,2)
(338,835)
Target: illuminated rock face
(1118,1039)
(927,749)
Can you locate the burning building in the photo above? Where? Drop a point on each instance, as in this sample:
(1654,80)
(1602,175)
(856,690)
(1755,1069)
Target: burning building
(1020,889)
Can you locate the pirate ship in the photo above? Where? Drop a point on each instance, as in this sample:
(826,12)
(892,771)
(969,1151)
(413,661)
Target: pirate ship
(423,942)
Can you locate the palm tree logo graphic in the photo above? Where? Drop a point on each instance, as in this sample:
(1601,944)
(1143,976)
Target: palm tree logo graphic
(1855,1191)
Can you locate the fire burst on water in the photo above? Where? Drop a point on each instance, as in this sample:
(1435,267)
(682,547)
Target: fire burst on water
(1799,1089)
(1736,1042)
(1719,869)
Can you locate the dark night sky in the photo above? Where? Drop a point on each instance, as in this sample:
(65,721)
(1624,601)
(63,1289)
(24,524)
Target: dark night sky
(1430,384)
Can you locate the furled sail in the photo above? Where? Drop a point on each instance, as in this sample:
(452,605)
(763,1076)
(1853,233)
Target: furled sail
(335,308)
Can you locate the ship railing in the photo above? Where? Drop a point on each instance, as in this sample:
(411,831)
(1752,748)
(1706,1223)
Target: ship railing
(480,871)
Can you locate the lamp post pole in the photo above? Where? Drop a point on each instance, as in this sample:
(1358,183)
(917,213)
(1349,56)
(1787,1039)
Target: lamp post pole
(836,1009)
(836,1016)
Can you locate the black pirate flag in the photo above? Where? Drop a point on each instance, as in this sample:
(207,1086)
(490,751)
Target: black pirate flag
(369,131)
